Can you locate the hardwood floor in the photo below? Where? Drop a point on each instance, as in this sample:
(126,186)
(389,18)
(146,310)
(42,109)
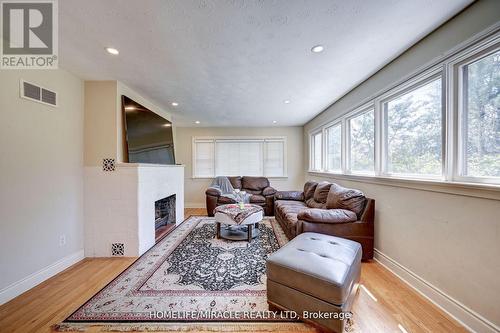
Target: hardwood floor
(391,307)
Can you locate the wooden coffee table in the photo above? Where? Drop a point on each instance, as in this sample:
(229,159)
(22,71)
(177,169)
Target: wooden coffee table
(239,223)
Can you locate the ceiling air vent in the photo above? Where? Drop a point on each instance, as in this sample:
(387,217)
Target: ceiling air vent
(38,94)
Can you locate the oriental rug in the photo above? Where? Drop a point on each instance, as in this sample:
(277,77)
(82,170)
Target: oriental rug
(192,281)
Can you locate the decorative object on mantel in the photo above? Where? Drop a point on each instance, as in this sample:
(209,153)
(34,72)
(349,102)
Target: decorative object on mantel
(108,164)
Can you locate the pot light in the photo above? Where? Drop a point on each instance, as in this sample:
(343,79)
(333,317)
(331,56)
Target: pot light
(274,122)
(286,101)
(197,122)
(128,108)
(167,125)
(175,103)
(317,49)
(112,51)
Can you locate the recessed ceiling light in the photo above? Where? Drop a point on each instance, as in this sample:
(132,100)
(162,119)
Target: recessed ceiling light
(274,121)
(112,51)
(197,122)
(286,101)
(175,103)
(130,108)
(317,49)
(167,125)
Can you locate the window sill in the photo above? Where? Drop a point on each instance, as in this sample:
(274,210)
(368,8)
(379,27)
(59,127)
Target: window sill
(276,177)
(486,191)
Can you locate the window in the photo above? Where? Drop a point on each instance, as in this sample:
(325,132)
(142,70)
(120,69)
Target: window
(334,148)
(414,131)
(274,158)
(317,151)
(239,157)
(362,142)
(440,124)
(481,117)
(203,158)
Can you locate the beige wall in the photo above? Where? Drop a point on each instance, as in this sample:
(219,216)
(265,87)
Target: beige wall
(41,178)
(100,121)
(451,241)
(104,136)
(195,188)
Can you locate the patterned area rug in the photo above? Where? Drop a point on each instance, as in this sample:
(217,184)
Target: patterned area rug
(191,277)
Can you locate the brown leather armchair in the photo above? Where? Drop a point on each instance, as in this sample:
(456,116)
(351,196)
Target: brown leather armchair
(328,208)
(261,192)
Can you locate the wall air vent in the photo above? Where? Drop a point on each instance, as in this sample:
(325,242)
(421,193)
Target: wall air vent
(38,94)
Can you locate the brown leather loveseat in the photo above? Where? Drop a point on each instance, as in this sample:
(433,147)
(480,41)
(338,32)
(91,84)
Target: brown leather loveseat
(262,194)
(327,208)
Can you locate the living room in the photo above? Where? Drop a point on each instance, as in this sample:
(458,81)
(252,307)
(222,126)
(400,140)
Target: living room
(250,166)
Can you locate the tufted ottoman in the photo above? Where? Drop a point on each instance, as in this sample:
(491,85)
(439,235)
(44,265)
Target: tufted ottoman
(316,276)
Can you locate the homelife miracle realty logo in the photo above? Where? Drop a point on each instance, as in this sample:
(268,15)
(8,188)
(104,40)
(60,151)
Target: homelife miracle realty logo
(29,35)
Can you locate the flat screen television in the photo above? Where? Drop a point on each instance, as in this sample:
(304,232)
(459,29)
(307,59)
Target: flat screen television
(148,136)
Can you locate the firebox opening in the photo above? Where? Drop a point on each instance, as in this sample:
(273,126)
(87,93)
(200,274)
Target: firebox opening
(164,216)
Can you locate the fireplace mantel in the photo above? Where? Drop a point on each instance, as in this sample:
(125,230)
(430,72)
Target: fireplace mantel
(119,205)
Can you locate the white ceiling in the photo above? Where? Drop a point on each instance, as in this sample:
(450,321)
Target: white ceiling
(234,62)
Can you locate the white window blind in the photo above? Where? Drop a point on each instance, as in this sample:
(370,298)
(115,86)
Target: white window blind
(239,157)
(274,158)
(203,158)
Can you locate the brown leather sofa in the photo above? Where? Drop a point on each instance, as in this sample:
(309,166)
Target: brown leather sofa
(262,194)
(327,208)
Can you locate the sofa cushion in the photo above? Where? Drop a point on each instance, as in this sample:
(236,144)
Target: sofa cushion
(256,198)
(311,203)
(327,215)
(321,192)
(309,189)
(346,198)
(290,203)
(225,200)
(250,191)
(254,183)
(289,210)
(235,181)
(318,200)
(290,206)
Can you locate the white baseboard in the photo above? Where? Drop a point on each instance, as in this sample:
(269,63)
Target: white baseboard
(32,280)
(472,320)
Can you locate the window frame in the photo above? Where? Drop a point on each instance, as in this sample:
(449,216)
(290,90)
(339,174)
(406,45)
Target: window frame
(214,139)
(358,112)
(340,123)
(446,66)
(409,86)
(460,165)
(312,149)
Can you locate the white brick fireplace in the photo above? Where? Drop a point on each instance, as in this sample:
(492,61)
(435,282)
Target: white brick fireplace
(120,205)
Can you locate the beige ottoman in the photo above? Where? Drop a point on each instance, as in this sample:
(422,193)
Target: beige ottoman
(316,276)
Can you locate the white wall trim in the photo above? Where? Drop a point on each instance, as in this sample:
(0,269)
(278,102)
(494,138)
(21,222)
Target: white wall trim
(34,279)
(472,320)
